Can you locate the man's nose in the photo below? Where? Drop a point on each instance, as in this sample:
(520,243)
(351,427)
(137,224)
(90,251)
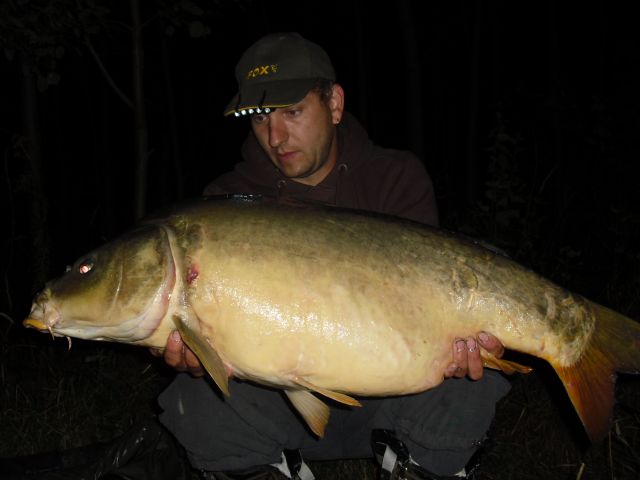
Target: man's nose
(278,132)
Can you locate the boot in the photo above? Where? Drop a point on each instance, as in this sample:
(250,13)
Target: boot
(291,467)
(396,463)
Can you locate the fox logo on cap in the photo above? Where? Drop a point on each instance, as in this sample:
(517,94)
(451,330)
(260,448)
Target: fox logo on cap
(262,70)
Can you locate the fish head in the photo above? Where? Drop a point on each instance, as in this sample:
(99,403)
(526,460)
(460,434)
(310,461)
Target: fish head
(118,292)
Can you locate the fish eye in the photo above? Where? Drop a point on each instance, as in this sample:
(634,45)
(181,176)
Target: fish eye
(85,267)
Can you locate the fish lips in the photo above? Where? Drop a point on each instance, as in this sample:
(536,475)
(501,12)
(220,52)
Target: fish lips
(43,317)
(35,323)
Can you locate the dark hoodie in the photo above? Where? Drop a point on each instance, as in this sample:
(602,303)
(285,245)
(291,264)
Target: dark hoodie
(366,177)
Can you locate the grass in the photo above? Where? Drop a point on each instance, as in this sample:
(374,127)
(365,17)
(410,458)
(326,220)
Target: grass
(537,435)
(56,399)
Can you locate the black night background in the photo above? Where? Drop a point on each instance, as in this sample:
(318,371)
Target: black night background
(526,115)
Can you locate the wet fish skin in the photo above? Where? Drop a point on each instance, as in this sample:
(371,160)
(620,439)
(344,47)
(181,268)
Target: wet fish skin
(303,298)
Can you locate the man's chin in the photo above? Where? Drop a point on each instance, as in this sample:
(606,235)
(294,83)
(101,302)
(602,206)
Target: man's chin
(293,173)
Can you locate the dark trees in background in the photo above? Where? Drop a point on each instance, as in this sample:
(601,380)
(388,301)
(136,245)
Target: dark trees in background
(524,115)
(55,45)
(140,129)
(514,110)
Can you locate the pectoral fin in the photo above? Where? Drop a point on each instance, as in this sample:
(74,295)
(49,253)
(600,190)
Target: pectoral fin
(205,353)
(338,397)
(507,366)
(313,410)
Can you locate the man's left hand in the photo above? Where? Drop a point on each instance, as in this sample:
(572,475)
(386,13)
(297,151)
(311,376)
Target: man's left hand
(466,355)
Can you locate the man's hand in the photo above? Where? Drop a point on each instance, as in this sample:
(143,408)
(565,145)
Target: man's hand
(466,355)
(178,356)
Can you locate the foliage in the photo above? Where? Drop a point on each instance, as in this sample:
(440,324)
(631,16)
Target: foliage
(501,211)
(43,31)
(184,14)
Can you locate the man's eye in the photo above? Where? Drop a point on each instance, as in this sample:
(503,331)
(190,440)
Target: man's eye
(293,113)
(258,118)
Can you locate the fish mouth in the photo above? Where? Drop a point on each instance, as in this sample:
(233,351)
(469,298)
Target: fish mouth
(43,326)
(43,316)
(35,323)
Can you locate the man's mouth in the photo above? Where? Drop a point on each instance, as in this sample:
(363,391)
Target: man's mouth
(286,156)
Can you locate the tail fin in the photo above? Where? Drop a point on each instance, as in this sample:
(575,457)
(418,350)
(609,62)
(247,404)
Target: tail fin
(614,346)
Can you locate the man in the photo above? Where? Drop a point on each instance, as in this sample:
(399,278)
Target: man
(304,145)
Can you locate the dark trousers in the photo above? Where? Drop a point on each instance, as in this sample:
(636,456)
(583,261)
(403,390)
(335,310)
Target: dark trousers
(442,427)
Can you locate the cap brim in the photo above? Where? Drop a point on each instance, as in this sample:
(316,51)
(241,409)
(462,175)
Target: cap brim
(283,93)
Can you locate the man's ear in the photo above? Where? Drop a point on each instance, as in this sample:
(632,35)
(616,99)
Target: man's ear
(336,104)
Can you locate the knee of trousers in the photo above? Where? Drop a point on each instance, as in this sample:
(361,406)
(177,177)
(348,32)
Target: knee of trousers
(443,427)
(249,428)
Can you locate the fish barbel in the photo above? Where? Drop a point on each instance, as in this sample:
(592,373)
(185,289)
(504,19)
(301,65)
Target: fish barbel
(333,302)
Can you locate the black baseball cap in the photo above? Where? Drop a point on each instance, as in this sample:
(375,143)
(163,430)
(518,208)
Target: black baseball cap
(278,71)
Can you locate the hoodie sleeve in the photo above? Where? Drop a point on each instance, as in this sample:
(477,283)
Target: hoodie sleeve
(407,190)
(214,189)
(234,183)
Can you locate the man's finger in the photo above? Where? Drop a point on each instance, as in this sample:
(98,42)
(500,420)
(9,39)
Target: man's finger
(174,352)
(460,357)
(491,344)
(474,362)
(451,370)
(194,367)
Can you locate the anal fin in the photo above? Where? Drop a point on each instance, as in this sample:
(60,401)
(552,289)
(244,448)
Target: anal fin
(205,352)
(507,366)
(337,396)
(314,411)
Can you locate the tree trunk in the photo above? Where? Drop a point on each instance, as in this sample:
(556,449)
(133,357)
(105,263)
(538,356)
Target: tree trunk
(413,83)
(474,80)
(556,147)
(33,155)
(172,122)
(360,8)
(140,121)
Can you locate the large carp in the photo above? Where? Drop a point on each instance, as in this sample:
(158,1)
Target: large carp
(332,302)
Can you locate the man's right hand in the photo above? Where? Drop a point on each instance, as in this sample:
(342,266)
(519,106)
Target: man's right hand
(467,361)
(178,356)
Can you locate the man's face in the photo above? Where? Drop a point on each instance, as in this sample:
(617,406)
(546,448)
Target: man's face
(300,140)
